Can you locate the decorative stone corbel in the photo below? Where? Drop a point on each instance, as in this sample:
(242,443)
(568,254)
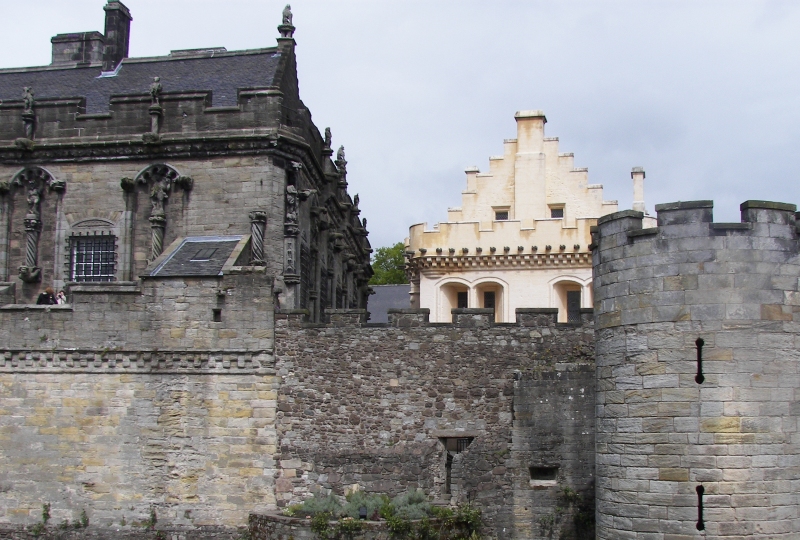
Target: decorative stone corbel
(306,193)
(127,184)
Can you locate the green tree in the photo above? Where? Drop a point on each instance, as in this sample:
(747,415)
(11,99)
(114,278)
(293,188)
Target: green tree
(388,264)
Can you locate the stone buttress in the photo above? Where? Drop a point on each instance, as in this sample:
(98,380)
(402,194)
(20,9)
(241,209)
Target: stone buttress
(697,374)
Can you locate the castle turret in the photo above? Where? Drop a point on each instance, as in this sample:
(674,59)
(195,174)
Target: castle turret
(697,373)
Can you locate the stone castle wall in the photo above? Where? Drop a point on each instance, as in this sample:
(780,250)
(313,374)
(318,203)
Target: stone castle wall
(131,398)
(698,374)
(371,405)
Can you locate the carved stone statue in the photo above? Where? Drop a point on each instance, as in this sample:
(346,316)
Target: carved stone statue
(155,91)
(340,154)
(364,223)
(328,137)
(291,204)
(27,98)
(355,200)
(159,194)
(287,15)
(34,197)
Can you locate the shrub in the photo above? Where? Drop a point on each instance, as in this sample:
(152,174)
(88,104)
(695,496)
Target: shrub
(320,525)
(373,503)
(411,505)
(321,504)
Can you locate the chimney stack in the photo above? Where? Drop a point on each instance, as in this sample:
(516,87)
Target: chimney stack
(637,174)
(117,34)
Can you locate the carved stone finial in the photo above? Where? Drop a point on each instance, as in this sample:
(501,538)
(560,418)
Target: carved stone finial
(328,137)
(286,29)
(364,223)
(355,201)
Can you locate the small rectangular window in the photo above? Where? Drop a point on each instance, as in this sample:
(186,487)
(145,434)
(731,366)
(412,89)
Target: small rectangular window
(488,300)
(462,300)
(93,258)
(574,306)
(557,212)
(543,473)
(501,215)
(216,314)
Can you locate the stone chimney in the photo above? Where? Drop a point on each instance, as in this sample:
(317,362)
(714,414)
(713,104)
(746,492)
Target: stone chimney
(530,131)
(637,174)
(117,35)
(77,48)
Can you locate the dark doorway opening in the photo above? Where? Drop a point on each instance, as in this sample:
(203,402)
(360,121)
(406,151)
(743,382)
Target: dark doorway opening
(453,446)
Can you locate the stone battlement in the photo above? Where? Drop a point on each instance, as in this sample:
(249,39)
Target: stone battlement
(408,318)
(129,114)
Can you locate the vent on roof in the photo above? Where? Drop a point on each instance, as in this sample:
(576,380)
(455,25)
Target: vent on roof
(203,255)
(208,51)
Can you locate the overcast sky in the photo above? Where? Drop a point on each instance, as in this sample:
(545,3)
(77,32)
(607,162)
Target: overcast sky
(704,95)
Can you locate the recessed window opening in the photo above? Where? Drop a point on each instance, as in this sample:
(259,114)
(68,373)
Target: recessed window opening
(462,300)
(216,315)
(453,446)
(543,473)
(557,212)
(93,258)
(568,298)
(501,215)
(203,255)
(488,299)
(574,306)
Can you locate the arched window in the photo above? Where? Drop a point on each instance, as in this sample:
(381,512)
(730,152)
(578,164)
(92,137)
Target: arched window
(489,295)
(568,296)
(451,295)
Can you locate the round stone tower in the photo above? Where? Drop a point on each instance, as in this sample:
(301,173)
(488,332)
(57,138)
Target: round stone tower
(698,374)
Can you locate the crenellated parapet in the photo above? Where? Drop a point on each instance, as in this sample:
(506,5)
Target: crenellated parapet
(697,372)
(479,318)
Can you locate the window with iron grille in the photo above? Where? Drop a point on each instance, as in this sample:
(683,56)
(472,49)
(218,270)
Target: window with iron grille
(93,258)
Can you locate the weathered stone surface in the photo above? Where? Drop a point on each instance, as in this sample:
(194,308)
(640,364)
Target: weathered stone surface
(372,406)
(712,431)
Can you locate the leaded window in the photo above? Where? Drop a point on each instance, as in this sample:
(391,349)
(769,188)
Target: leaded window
(93,258)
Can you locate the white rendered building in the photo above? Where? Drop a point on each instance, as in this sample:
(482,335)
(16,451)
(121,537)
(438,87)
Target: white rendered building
(521,236)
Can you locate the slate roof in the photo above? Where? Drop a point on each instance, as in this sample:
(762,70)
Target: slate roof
(222,73)
(198,256)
